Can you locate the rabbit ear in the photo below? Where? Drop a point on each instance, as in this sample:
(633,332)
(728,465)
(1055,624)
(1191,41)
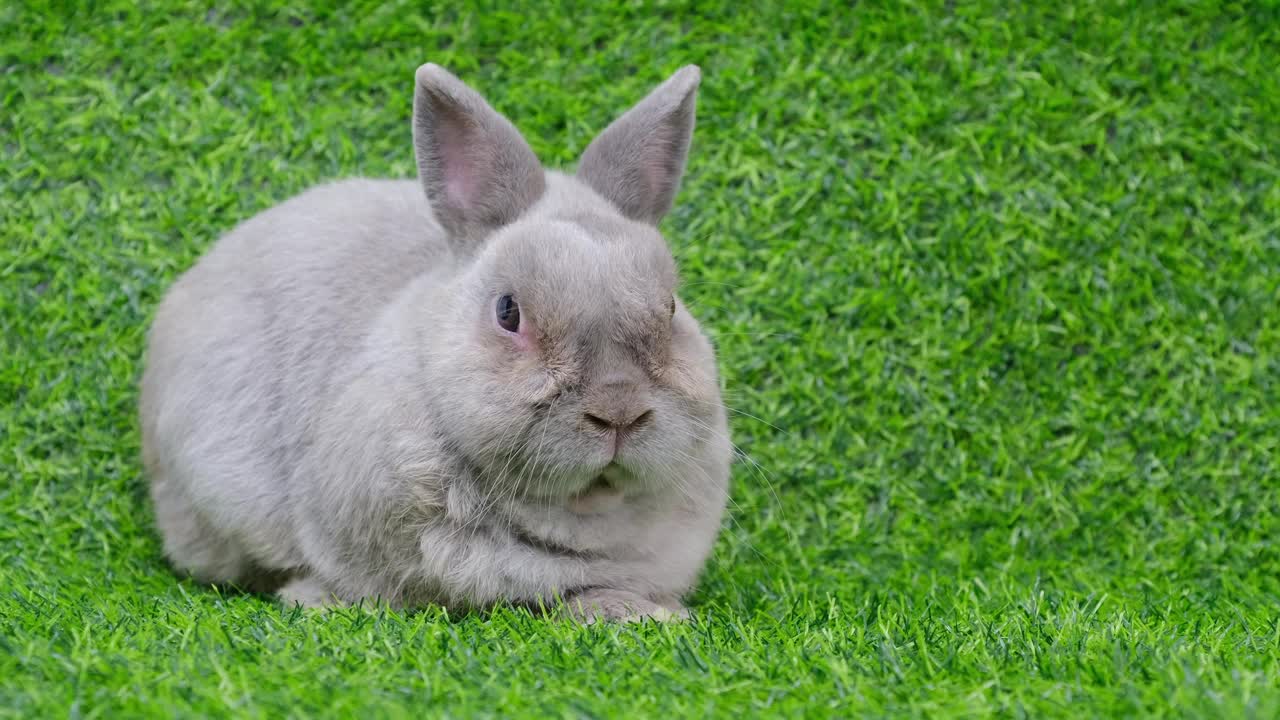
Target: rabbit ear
(636,163)
(478,172)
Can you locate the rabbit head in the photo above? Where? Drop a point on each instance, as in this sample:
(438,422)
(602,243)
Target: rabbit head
(558,355)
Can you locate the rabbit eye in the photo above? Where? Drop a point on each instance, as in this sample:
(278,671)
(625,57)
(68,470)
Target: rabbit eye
(508,313)
(671,306)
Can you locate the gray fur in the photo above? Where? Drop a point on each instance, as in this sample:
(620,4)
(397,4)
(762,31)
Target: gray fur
(637,162)
(329,408)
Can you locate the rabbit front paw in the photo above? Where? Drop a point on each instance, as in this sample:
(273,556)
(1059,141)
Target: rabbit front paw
(621,606)
(308,593)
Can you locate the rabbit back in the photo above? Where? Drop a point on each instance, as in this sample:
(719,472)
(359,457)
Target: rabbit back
(245,352)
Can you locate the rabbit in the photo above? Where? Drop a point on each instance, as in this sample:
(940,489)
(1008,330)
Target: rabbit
(473,389)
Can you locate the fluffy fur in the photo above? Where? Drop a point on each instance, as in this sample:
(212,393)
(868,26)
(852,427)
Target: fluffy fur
(331,410)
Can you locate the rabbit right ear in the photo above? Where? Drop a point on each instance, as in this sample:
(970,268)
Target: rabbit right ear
(636,163)
(478,172)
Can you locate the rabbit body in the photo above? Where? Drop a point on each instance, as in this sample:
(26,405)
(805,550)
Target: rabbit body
(485,392)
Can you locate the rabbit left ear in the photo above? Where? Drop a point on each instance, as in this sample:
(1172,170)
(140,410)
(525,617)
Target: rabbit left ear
(637,162)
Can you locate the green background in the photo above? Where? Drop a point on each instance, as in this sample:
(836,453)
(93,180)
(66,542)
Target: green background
(994,287)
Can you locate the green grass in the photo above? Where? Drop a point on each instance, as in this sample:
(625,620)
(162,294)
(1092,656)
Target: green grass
(1001,285)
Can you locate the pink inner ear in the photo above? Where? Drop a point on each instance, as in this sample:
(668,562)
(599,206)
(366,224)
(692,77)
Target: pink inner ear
(655,164)
(459,166)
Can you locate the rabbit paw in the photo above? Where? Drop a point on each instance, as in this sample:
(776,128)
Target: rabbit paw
(308,593)
(621,606)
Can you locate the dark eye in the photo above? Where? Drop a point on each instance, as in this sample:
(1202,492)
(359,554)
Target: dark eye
(671,305)
(508,313)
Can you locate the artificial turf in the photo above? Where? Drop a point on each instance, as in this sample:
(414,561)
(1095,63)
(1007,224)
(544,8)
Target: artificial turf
(994,287)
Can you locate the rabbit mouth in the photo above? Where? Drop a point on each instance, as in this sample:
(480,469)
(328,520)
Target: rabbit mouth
(602,495)
(613,475)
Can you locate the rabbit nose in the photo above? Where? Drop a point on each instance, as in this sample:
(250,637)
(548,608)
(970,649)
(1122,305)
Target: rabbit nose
(619,402)
(622,421)
(618,405)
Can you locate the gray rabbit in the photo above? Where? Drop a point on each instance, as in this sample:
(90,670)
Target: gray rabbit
(485,393)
